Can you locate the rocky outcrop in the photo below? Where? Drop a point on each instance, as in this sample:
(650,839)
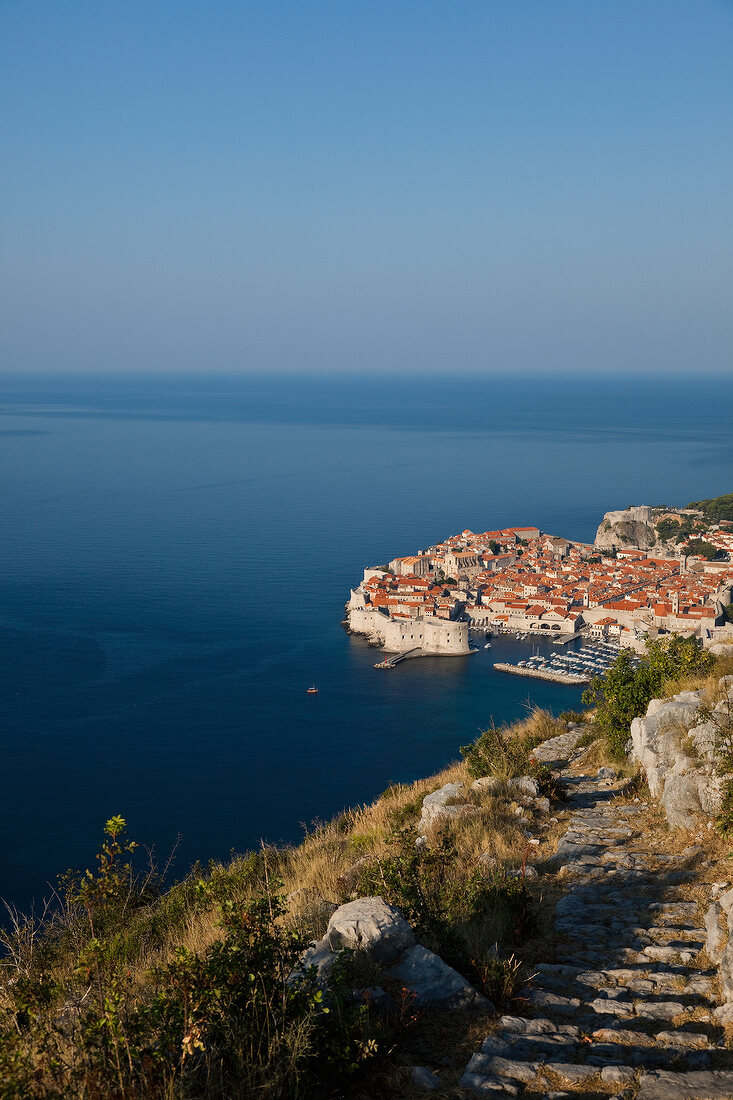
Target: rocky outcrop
(371,926)
(676,745)
(633,528)
(380,932)
(719,944)
(432,983)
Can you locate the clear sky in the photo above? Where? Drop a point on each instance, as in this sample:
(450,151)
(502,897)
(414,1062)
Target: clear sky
(339,185)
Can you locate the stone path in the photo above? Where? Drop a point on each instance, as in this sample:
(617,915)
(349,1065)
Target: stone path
(626,1007)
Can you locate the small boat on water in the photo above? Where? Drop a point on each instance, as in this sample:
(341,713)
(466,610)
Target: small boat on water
(488,645)
(312,690)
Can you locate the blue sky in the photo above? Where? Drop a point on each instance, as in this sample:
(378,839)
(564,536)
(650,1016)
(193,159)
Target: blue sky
(496,186)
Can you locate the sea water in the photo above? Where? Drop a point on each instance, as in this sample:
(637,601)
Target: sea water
(175,558)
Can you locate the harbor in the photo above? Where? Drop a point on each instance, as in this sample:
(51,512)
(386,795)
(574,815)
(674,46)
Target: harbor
(540,674)
(576,667)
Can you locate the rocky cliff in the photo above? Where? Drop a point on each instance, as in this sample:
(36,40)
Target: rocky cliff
(678,745)
(632,527)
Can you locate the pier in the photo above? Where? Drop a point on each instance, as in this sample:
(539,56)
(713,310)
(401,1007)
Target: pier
(539,674)
(395,659)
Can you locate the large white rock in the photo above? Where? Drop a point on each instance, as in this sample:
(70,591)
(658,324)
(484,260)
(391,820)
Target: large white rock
(681,800)
(716,939)
(372,926)
(433,983)
(725,901)
(319,955)
(436,801)
(726,971)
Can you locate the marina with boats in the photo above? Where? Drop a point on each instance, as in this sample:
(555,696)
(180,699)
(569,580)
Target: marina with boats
(574,667)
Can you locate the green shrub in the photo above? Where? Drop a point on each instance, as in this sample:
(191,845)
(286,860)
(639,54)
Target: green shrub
(549,786)
(226,1020)
(626,689)
(571,716)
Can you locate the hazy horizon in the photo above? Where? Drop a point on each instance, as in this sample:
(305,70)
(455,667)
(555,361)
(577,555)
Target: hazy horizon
(480,188)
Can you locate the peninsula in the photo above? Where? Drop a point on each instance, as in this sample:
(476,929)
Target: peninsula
(650,571)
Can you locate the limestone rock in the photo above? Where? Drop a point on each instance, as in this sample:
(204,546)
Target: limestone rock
(526,784)
(446,804)
(488,862)
(726,901)
(703,1085)
(686,784)
(423,1078)
(319,955)
(372,926)
(715,939)
(527,872)
(681,800)
(630,528)
(726,971)
(433,983)
(488,784)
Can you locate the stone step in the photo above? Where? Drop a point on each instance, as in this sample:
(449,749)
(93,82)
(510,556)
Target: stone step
(625,975)
(702,1085)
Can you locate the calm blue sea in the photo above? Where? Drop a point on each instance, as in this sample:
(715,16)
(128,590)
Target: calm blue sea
(176,554)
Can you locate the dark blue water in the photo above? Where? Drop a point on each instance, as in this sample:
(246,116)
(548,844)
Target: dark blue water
(176,554)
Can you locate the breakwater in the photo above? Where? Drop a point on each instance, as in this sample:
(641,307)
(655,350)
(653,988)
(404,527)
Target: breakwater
(540,674)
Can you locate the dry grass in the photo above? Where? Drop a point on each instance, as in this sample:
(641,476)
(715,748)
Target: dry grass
(322,870)
(598,755)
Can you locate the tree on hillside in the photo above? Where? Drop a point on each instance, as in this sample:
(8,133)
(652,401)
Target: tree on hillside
(716,508)
(701,549)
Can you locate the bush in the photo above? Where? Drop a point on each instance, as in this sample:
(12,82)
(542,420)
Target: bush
(497,752)
(505,752)
(702,548)
(225,1020)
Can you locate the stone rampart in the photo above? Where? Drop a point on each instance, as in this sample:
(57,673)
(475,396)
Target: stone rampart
(441,637)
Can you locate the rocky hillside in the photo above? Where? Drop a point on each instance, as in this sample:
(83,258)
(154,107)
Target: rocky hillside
(663,529)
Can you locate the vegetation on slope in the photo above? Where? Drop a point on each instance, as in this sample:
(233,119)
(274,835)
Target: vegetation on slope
(630,684)
(716,508)
(125,989)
